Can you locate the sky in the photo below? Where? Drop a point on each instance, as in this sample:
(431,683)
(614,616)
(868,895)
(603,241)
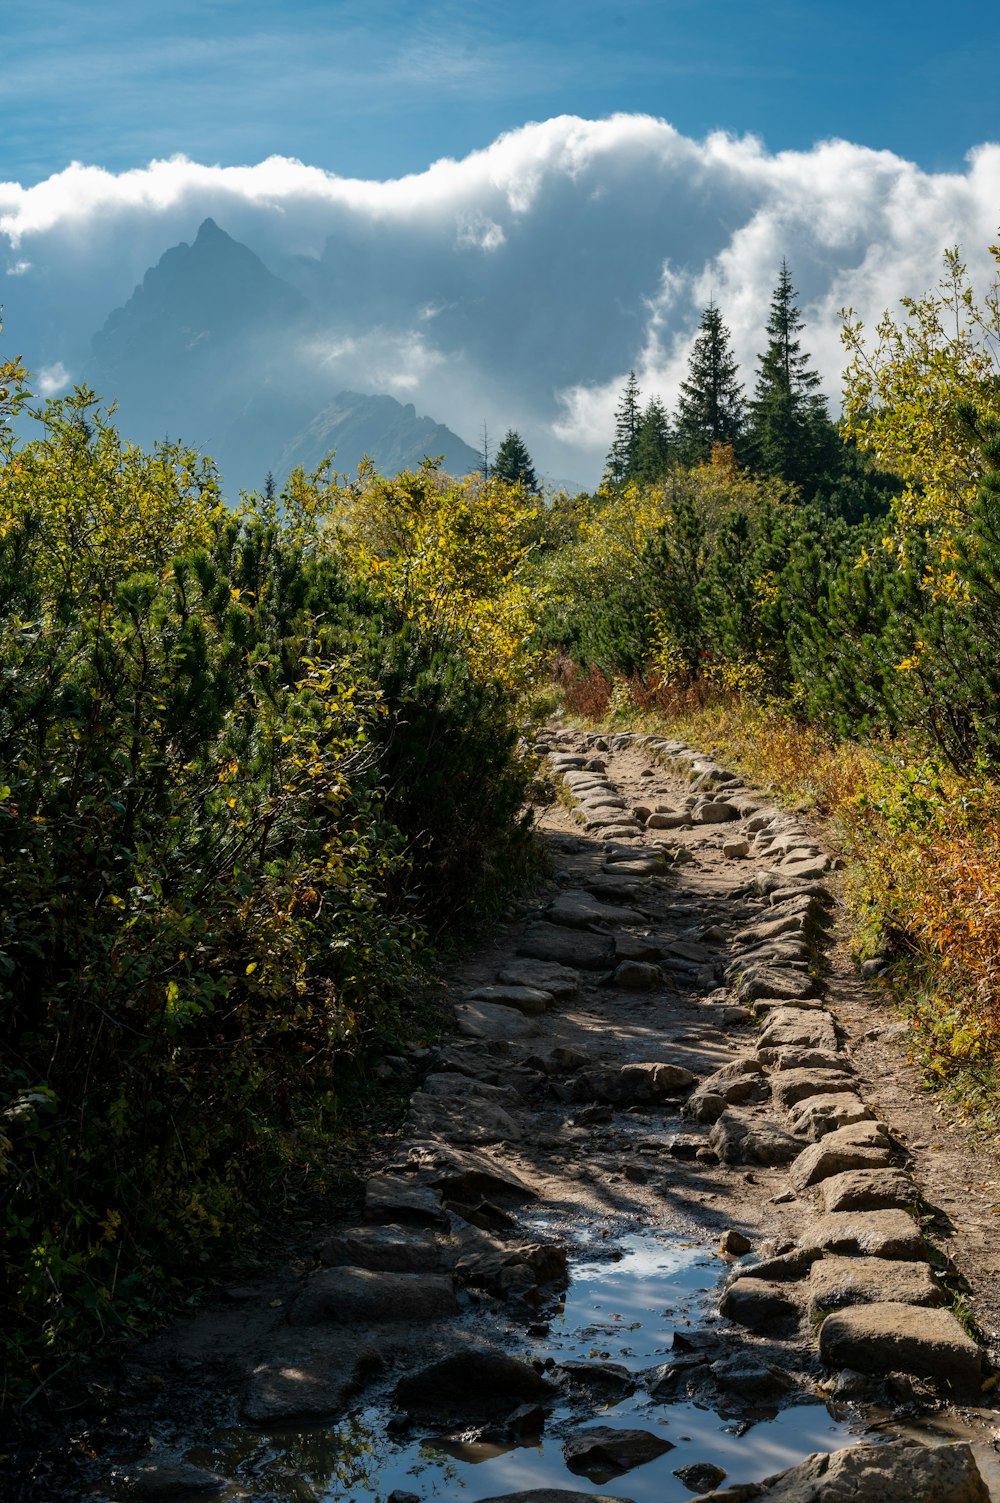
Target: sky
(521,202)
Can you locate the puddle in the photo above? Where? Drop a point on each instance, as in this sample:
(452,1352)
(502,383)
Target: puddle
(627,1298)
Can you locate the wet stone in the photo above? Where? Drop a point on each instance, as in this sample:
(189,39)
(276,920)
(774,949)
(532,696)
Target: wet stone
(603,1453)
(758,1304)
(352,1296)
(700,1476)
(162,1481)
(554,1495)
(602,1378)
(480,1381)
(749,1378)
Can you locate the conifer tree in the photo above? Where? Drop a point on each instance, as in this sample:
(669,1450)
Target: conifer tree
(621,455)
(790,430)
(653,445)
(711,407)
(512,463)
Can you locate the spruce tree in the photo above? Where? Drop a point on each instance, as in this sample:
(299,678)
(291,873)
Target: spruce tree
(621,455)
(790,429)
(513,463)
(653,445)
(710,409)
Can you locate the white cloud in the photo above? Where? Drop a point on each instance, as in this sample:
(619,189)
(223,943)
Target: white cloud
(53,379)
(18,268)
(596,244)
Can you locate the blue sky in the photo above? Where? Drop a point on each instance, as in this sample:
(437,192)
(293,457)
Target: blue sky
(379,88)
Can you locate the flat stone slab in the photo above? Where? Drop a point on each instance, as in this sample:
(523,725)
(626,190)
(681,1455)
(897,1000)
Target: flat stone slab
(836,1153)
(876,1234)
(386,1249)
(902,1338)
(555,1495)
(163,1481)
(897,1472)
(868,1190)
(578,910)
(315,1378)
(463,1121)
(805,1059)
(398,1197)
(558,980)
(530,1000)
(354,1296)
(789,1087)
(492,1022)
(585,952)
(632,1084)
(835,1283)
(791,1028)
(463,1174)
(774,981)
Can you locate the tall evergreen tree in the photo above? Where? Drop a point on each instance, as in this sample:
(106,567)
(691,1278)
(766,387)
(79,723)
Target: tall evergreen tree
(513,463)
(621,455)
(653,445)
(790,430)
(710,409)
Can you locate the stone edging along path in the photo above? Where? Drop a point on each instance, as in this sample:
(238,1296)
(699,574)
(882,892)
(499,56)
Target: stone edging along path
(646,1047)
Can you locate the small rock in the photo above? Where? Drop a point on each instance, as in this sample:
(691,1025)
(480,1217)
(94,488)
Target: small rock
(701,1476)
(896,1472)
(736,850)
(817,1116)
(772,981)
(792,1086)
(161,1481)
(752,1379)
(734,1244)
(587,952)
(601,1377)
(558,980)
(398,1496)
(492,1021)
(839,1151)
(636,947)
(636,976)
(741,1139)
(578,910)
(313,1381)
(714,813)
(387,1249)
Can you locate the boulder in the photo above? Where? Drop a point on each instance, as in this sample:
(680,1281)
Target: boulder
(868,1190)
(385,1249)
(816,1116)
(398,1197)
(492,1022)
(741,1139)
(354,1296)
(759,1304)
(585,952)
(837,1152)
(891,1337)
(163,1481)
(792,1086)
(554,1495)
(632,1084)
(774,981)
(578,910)
(876,1234)
(900,1471)
(714,812)
(835,1283)
(700,1475)
(793,1028)
(465,1174)
(637,976)
(462,1121)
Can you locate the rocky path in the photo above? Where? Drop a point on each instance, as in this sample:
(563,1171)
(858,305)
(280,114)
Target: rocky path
(665,1195)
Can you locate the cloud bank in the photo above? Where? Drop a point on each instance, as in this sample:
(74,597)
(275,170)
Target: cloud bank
(518,285)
